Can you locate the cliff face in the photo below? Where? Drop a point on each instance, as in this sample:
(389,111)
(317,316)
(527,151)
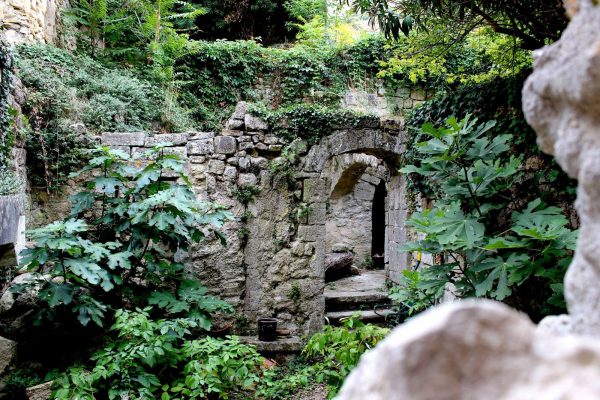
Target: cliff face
(29,20)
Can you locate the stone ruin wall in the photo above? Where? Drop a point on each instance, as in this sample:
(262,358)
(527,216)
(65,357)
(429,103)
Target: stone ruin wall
(285,249)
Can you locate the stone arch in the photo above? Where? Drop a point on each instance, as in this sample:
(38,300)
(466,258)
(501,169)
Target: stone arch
(345,159)
(374,142)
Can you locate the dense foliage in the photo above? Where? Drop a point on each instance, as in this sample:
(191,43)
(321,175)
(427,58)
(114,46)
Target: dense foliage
(118,246)
(158,359)
(148,358)
(532,22)
(482,241)
(70,98)
(216,75)
(338,350)
(10,183)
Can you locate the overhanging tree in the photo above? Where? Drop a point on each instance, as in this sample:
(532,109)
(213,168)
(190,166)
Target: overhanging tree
(533,22)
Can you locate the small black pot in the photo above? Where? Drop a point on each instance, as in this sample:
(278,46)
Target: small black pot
(267,329)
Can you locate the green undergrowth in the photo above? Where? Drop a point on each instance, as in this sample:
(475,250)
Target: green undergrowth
(160,359)
(72,97)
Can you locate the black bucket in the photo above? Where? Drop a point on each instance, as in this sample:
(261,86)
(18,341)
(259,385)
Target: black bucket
(267,329)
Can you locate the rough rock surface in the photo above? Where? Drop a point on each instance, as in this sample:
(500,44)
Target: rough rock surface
(473,351)
(39,392)
(30,20)
(336,261)
(561,100)
(8,352)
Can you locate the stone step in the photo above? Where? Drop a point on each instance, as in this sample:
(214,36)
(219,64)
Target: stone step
(370,316)
(291,344)
(337,300)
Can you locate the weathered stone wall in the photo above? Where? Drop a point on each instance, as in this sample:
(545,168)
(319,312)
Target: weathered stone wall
(273,264)
(29,20)
(349,211)
(384,102)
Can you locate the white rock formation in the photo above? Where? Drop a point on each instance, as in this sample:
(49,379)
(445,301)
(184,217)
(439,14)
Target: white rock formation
(561,100)
(476,350)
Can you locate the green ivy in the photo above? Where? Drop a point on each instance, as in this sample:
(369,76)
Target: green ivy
(6,71)
(215,75)
(310,122)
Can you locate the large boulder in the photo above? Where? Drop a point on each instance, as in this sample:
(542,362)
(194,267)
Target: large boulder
(561,100)
(476,350)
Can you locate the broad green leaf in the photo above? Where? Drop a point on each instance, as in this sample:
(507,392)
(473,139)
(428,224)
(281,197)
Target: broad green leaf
(119,260)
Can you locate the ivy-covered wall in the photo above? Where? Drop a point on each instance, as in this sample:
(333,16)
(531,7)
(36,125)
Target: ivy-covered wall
(6,65)
(279,191)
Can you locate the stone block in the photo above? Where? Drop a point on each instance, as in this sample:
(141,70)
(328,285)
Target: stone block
(216,167)
(40,392)
(255,123)
(233,161)
(247,179)
(197,159)
(246,146)
(176,139)
(244,163)
(317,214)
(271,139)
(311,233)
(123,138)
(235,124)
(8,353)
(11,209)
(241,109)
(234,133)
(315,190)
(200,147)
(364,191)
(200,135)
(230,173)
(225,145)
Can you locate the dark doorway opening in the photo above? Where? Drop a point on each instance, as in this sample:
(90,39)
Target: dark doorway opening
(378,227)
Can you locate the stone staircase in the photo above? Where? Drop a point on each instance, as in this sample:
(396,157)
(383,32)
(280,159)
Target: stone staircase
(365,294)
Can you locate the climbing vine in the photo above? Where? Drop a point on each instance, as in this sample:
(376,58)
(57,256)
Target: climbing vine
(6,65)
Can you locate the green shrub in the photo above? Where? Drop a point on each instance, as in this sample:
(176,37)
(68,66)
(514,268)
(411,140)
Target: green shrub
(67,90)
(10,183)
(487,247)
(6,72)
(157,359)
(337,350)
(117,247)
(305,10)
